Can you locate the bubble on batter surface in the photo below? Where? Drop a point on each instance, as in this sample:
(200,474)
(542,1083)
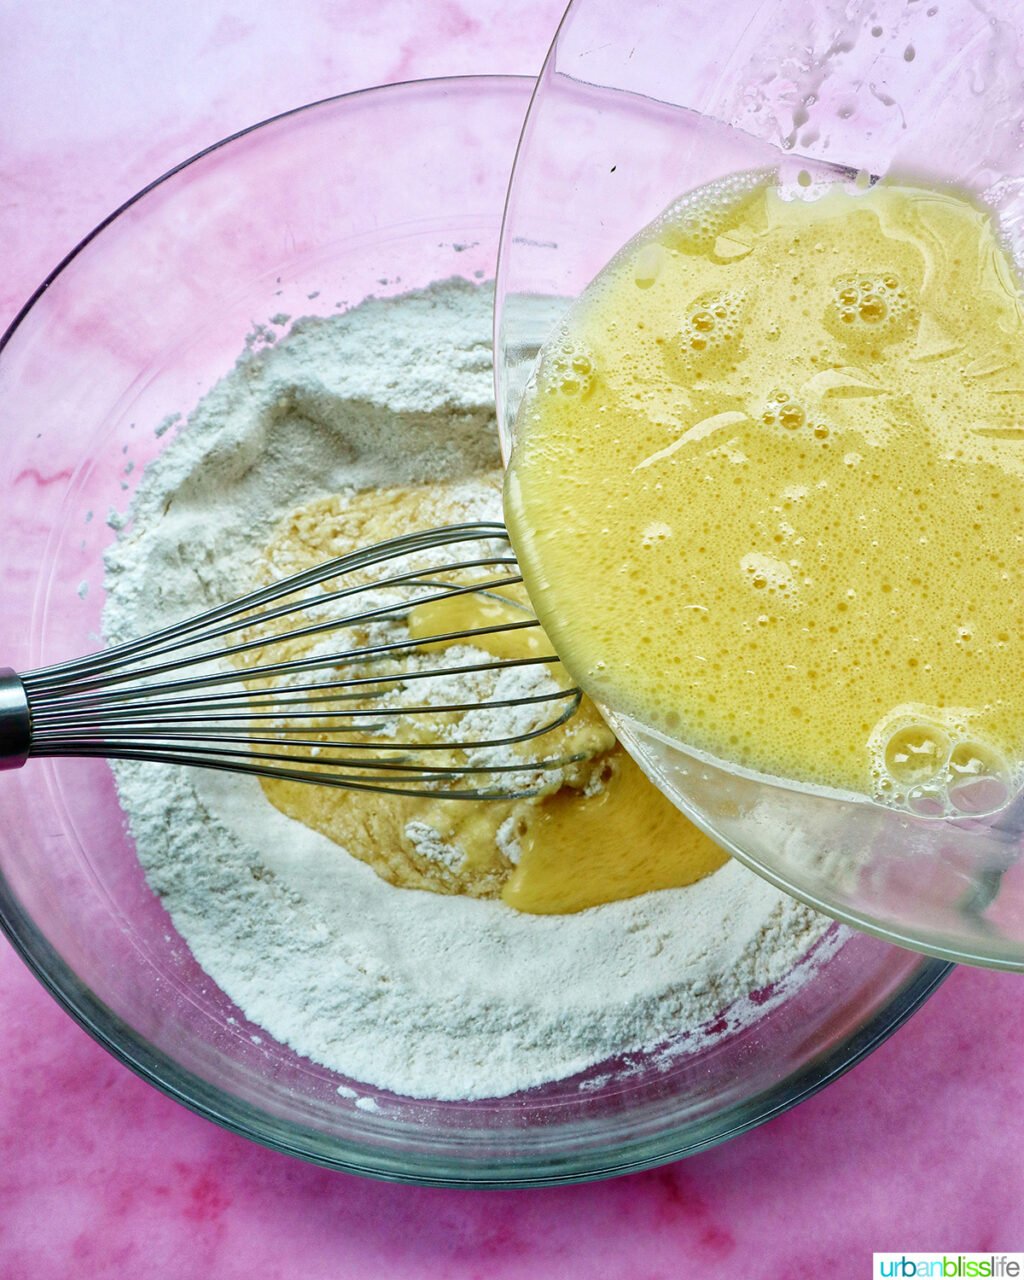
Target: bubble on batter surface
(927,761)
(916,753)
(655,534)
(978,778)
(870,307)
(568,370)
(711,325)
(782,409)
(768,574)
(695,223)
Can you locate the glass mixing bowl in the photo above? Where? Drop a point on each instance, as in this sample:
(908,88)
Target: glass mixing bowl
(639,104)
(374,193)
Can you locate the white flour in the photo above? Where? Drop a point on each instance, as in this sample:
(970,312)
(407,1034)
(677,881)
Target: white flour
(423,994)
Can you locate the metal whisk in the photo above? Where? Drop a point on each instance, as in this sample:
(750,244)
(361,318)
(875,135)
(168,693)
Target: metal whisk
(265,684)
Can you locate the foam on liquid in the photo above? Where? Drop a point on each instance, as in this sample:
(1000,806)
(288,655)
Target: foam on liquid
(768,489)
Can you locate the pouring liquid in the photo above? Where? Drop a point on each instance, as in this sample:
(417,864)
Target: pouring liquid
(768,486)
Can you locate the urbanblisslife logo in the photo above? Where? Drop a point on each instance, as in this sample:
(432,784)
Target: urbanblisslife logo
(947,1266)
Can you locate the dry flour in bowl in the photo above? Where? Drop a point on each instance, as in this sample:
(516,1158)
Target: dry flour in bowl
(423,994)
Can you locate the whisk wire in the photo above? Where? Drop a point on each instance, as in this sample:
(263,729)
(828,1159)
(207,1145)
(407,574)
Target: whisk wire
(232,689)
(116,655)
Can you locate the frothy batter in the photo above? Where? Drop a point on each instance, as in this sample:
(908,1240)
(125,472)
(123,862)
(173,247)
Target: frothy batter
(767,489)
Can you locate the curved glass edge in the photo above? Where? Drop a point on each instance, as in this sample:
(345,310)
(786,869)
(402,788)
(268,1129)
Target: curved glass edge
(939,943)
(950,954)
(501,398)
(428,82)
(194,1093)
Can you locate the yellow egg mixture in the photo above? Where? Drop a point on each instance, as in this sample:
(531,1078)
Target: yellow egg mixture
(603,832)
(767,487)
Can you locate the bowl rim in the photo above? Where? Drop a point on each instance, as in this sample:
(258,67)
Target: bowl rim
(155,1067)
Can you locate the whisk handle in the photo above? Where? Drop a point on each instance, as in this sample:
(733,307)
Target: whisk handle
(15,721)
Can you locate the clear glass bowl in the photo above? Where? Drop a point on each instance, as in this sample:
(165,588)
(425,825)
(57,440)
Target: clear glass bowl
(639,104)
(373,193)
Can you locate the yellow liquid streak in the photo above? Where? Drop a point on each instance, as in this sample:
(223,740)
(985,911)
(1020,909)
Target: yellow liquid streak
(768,488)
(577,850)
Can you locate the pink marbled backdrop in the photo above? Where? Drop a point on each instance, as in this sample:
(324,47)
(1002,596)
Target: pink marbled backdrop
(920,1147)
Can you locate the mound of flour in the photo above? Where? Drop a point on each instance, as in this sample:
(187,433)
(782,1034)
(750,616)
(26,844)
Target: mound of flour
(423,994)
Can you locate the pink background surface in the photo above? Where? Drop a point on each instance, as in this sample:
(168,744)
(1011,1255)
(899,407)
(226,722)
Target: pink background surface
(920,1147)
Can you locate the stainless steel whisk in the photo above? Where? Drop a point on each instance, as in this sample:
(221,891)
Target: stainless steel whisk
(183,695)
